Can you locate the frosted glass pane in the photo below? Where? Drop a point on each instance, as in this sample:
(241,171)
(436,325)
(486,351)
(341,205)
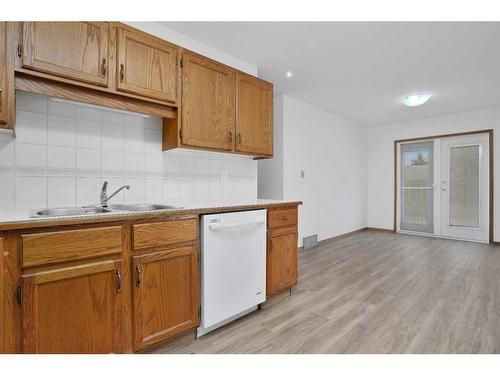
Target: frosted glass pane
(464,186)
(416,167)
(416,206)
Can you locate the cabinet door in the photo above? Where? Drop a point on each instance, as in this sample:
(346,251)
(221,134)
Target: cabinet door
(166,294)
(3,74)
(146,66)
(281,259)
(254,116)
(208,101)
(74,50)
(73,310)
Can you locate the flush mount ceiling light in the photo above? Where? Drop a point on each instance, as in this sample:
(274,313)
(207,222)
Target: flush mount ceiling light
(414,100)
(289,74)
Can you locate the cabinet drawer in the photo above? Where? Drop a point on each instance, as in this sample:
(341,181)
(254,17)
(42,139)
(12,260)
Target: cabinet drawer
(282,218)
(164,233)
(56,247)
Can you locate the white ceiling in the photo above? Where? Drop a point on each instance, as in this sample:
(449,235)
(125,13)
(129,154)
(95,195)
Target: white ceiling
(360,70)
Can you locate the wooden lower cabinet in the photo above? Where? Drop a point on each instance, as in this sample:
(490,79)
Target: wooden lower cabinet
(165,294)
(76,309)
(281,259)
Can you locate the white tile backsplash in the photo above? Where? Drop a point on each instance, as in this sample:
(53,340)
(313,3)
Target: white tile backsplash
(61,191)
(61,161)
(61,130)
(63,152)
(88,134)
(30,192)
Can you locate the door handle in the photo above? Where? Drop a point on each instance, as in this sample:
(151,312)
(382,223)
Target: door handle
(118,281)
(138,277)
(444,185)
(122,72)
(103,67)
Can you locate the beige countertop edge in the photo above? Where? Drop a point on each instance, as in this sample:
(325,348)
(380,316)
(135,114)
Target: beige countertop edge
(31,223)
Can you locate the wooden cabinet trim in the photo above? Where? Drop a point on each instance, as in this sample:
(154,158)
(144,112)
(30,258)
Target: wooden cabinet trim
(42,277)
(56,247)
(164,233)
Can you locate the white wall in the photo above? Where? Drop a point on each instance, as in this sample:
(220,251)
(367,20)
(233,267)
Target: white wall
(330,150)
(182,40)
(380,157)
(63,152)
(270,171)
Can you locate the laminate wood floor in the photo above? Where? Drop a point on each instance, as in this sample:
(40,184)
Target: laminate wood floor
(374,292)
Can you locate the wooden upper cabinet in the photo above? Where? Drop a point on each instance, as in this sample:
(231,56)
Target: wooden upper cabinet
(3,74)
(208,103)
(146,66)
(254,115)
(73,50)
(281,259)
(165,293)
(77,309)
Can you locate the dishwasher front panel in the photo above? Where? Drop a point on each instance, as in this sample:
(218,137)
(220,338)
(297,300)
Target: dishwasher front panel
(233,264)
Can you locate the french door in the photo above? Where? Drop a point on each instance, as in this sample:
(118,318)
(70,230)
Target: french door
(443,187)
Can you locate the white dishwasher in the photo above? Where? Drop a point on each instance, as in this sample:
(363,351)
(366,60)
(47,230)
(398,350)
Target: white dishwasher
(233,266)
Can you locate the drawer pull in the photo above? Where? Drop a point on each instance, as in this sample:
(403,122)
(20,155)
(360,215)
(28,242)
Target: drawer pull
(282,218)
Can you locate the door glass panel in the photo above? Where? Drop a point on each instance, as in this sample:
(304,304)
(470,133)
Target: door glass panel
(417,195)
(464,186)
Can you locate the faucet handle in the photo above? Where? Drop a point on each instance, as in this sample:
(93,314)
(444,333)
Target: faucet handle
(104,186)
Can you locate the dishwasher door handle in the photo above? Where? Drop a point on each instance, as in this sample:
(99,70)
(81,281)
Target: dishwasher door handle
(222,226)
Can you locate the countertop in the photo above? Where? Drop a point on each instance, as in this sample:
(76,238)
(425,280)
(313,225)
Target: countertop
(20,219)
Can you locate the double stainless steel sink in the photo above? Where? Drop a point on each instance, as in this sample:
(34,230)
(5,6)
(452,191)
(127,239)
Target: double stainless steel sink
(112,208)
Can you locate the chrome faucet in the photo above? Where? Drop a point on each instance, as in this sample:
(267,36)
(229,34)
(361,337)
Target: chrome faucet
(104,193)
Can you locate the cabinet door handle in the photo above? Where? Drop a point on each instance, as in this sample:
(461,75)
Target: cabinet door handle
(138,277)
(1,100)
(230,137)
(270,244)
(118,281)
(103,67)
(122,72)
(238,136)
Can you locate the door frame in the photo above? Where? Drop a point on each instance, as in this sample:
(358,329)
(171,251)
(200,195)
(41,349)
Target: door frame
(432,137)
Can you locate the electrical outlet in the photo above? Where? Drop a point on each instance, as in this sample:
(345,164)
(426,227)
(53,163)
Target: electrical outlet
(223,175)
